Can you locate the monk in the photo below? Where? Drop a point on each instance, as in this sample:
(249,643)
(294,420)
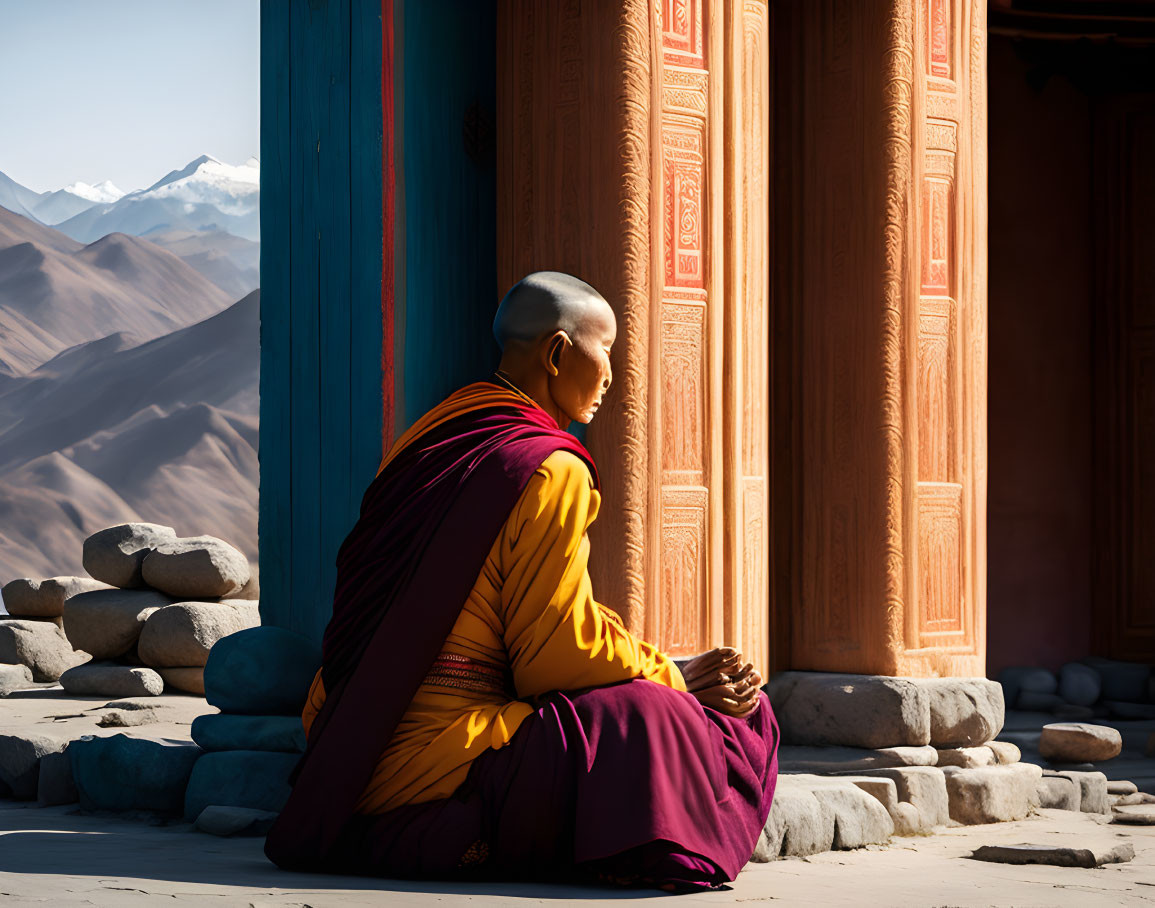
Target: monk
(478,713)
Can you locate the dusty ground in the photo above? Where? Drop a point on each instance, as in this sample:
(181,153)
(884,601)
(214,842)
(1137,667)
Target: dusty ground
(56,857)
(62,857)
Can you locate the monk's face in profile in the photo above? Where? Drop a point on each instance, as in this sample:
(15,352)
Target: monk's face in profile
(580,371)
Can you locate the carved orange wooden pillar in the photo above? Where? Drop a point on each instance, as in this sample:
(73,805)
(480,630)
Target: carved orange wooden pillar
(632,151)
(880,320)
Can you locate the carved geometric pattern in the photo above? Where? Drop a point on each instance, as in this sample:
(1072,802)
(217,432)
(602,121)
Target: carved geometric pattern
(938,35)
(940,559)
(683,37)
(682,587)
(683,338)
(937,234)
(941,105)
(684,90)
(941,135)
(683,162)
(935,388)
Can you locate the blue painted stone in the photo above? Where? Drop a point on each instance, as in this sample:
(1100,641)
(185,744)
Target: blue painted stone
(1018,678)
(230,732)
(1079,684)
(1126,681)
(239,778)
(261,671)
(123,773)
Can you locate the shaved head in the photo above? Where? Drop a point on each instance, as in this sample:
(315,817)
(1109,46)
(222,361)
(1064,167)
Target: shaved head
(548,301)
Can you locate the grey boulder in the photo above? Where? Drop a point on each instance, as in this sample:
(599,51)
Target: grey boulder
(190,679)
(1056,856)
(105,679)
(964,712)
(251,591)
(14,677)
(924,788)
(1079,742)
(123,773)
(20,753)
(859,818)
(28,598)
(1058,793)
(798,824)
(239,778)
(992,794)
(1093,797)
(866,711)
(114,555)
(1005,752)
(40,645)
(182,634)
(107,623)
(196,567)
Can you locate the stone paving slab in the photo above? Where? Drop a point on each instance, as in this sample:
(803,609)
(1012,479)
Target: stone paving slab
(60,858)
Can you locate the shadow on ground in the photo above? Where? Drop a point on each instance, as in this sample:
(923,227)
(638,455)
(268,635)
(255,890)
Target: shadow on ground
(70,844)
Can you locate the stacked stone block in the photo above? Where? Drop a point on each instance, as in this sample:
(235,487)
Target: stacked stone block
(164,601)
(923,751)
(259,679)
(31,634)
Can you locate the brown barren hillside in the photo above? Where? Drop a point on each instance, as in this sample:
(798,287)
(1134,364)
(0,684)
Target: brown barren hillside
(56,293)
(163,431)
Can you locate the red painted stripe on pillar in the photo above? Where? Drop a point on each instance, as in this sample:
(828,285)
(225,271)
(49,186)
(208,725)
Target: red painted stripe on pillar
(387,208)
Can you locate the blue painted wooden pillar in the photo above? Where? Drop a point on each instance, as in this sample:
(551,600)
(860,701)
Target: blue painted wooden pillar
(321,293)
(446,201)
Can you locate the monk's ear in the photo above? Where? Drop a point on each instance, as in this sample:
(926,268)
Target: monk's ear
(553,351)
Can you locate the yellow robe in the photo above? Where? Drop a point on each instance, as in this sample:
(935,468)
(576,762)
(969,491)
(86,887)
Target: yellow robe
(532,614)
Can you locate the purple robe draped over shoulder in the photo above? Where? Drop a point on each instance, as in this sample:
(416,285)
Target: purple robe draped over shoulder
(632,783)
(426,524)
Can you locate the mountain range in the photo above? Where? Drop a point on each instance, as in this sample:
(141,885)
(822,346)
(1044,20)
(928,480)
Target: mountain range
(206,194)
(164,432)
(56,292)
(129,368)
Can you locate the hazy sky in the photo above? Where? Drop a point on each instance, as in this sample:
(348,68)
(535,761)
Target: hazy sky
(125,90)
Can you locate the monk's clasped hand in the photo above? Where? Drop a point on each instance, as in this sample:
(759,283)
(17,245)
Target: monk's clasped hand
(723,680)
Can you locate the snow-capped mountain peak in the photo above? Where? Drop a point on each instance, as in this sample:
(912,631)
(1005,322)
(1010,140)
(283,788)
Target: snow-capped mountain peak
(174,176)
(104,191)
(205,180)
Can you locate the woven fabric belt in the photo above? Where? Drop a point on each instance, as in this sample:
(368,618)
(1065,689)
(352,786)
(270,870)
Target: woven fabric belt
(462,673)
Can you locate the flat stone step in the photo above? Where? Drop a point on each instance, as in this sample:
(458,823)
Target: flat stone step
(1057,856)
